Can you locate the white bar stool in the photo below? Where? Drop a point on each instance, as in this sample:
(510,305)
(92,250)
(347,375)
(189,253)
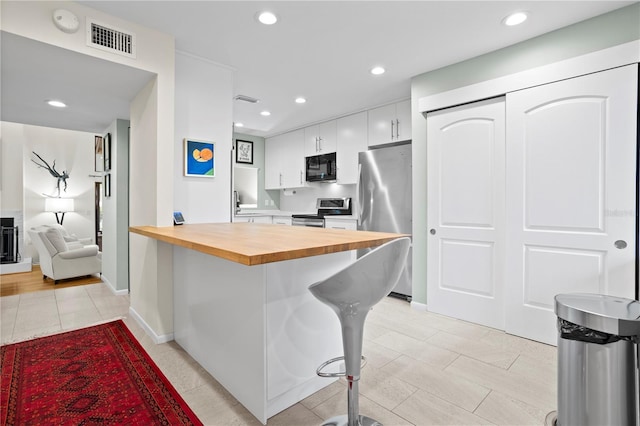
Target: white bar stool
(351,293)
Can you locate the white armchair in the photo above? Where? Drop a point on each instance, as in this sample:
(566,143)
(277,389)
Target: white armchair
(70,238)
(60,259)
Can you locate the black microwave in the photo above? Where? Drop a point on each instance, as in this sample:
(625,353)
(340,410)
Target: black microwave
(321,167)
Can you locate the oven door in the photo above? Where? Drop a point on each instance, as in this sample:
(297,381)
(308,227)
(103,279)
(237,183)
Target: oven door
(315,222)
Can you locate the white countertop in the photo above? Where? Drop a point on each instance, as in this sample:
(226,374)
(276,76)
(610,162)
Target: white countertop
(255,212)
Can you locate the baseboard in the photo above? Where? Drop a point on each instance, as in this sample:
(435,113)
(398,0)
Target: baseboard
(418,306)
(157,339)
(112,288)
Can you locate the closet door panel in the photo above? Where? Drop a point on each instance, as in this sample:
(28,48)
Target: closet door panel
(465,263)
(571,191)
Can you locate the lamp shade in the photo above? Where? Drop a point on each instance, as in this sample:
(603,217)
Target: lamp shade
(58,205)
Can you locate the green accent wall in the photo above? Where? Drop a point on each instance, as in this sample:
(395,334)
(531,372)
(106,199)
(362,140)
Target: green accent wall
(611,29)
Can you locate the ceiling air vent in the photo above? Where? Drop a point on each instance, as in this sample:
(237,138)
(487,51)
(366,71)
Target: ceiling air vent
(246,98)
(111,39)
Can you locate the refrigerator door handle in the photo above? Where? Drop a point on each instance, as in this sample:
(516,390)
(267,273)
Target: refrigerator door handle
(359,194)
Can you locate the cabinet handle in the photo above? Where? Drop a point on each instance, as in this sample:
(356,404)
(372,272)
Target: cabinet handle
(319,144)
(280,181)
(301,181)
(397,128)
(316,144)
(391,129)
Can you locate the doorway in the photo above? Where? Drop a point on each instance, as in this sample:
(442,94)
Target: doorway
(98,214)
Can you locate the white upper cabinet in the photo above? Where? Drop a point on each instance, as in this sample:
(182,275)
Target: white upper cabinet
(390,123)
(284,161)
(274,151)
(293,164)
(320,139)
(351,139)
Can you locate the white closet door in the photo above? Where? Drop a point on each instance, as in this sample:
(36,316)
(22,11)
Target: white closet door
(571,195)
(465,210)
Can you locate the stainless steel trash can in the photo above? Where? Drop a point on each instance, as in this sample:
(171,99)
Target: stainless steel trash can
(597,366)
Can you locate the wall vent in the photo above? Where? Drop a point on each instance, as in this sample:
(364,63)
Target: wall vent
(246,98)
(110,39)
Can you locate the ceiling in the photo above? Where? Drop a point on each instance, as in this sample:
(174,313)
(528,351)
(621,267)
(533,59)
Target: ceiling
(35,72)
(322,50)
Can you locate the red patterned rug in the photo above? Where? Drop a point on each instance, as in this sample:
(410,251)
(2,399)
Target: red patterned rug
(95,375)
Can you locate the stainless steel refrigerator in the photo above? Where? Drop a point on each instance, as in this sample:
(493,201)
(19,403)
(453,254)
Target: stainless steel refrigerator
(384,197)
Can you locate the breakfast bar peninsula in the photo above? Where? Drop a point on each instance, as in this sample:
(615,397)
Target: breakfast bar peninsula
(242,308)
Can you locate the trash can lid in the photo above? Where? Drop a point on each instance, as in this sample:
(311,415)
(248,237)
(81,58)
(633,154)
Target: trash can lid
(609,314)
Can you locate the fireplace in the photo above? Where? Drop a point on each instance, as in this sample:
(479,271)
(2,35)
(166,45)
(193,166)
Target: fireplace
(9,252)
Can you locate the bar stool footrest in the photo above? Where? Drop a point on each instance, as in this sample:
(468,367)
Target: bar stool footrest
(320,373)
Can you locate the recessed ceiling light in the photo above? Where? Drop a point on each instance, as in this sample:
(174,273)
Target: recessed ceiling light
(300,100)
(267,18)
(265,113)
(238,124)
(57,104)
(516,18)
(377,70)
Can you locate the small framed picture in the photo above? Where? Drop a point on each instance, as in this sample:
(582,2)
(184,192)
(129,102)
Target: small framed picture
(107,152)
(107,185)
(99,154)
(244,151)
(199,158)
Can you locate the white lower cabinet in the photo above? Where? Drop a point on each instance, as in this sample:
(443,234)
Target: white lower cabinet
(349,224)
(282,220)
(253,219)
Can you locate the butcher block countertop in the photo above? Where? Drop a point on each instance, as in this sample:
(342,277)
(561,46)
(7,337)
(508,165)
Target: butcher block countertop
(260,243)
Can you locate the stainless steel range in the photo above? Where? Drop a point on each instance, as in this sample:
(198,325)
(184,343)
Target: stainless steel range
(326,207)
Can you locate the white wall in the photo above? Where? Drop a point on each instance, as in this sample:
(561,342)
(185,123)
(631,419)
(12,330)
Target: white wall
(267,200)
(115,236)
(11,181)
(152,136)
(72,151)
(617,27)
(204,111)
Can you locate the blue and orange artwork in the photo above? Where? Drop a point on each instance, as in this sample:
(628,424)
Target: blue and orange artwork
(199,158)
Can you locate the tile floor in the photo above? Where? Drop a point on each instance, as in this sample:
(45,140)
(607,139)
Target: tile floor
(423,368)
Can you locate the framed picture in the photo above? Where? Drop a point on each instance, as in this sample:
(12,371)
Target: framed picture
(199,158)
(107,152)
(244,151)
(99,154)
(107,185)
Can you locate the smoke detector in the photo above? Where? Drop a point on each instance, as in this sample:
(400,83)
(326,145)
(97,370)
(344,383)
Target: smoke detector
(66,21)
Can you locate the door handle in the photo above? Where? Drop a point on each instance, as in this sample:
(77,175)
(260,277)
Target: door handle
(359,195)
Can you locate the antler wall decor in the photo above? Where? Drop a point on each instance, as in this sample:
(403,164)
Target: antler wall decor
(52,170)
